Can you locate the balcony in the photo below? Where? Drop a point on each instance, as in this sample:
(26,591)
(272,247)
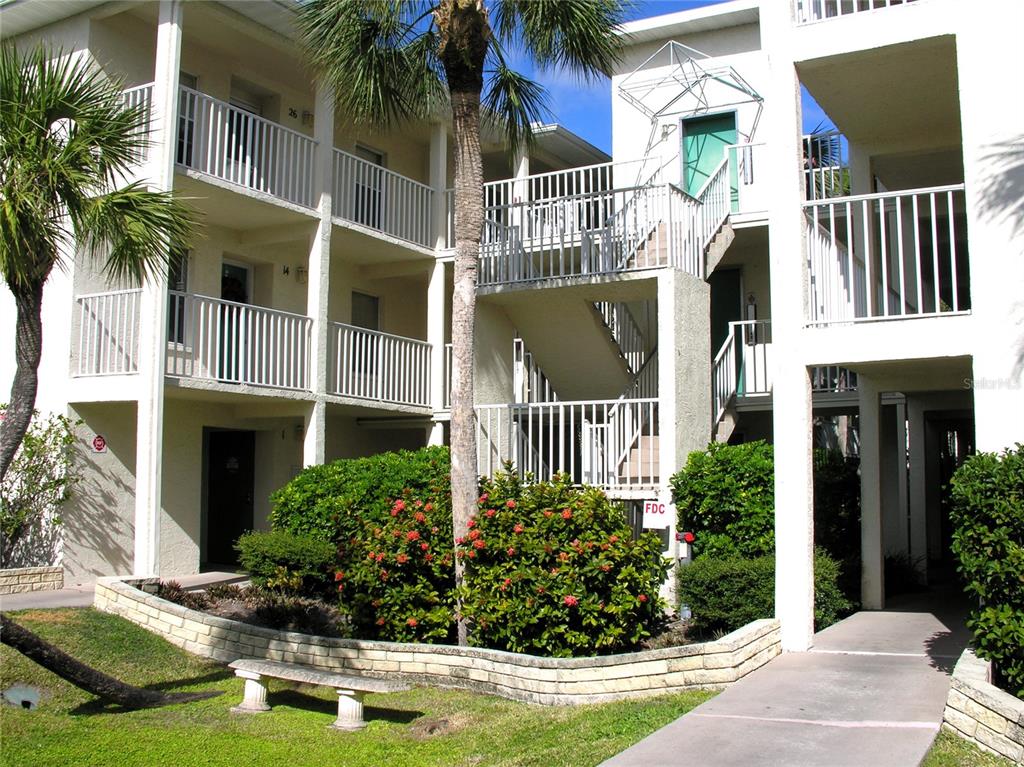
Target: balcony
(612,444)
(379,367)
(107,333)
(597,221)
(741,374)
(888,256)
(811,11)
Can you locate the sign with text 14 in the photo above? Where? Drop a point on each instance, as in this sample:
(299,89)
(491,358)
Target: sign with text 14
(658,515)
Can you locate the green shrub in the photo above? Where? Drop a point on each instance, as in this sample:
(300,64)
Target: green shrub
(726,593)
(725,496)
(987,514)
(553,570)
(289,563)
(397,579)
(331,502)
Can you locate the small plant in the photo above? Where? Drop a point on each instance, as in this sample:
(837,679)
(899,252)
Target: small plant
(987,514)
(725,496)
(727,593)
(553,570)
(173,591)
(225,592)
(289,563)
(40,479)
(287,612)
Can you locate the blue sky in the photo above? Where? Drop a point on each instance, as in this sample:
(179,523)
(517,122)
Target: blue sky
(585,108)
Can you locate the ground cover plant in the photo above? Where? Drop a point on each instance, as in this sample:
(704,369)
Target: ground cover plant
(987,515)
(420,728)
(553,570)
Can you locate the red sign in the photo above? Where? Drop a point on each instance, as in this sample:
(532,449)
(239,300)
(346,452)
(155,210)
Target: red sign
(99,444)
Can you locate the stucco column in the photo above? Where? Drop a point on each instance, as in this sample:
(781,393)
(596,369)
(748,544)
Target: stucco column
(153,302)
(894,506)
(872,573)
(436,285)
(917,486)
(318,284)
(794,488)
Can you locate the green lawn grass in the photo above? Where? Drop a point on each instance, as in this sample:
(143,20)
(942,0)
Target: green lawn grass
(952,751)
(71,728)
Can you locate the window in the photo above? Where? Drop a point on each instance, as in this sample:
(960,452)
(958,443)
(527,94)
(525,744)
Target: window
(369,187)
(187,105)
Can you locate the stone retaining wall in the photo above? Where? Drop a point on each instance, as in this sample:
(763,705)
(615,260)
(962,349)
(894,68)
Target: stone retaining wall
(981,712)
(546,681)
(21,579)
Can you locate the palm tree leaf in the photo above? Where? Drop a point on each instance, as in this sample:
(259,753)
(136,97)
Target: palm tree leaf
(515,102)
(576,36)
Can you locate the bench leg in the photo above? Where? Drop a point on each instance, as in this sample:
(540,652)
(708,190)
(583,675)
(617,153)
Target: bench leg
(350,710)
(254,700)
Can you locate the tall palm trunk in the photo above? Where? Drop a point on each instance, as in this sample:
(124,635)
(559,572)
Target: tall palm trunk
(466,36)
(28,347)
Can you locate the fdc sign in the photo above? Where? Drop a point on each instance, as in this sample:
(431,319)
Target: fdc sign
(658,515)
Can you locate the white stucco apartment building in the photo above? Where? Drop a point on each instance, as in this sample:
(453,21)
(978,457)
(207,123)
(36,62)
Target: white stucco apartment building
(724,277)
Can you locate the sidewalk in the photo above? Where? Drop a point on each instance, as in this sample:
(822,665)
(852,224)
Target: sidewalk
(81,595)
(870,692)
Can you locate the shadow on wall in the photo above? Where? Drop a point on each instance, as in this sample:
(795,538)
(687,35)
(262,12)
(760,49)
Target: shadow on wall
(40,546)
(1003,200)
(98,528)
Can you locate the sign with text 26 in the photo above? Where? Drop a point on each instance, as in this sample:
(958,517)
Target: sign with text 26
(658,515)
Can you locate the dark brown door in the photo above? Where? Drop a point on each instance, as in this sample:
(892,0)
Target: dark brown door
(231,461)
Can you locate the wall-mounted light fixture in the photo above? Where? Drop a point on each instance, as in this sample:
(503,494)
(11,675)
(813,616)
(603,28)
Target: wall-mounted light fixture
(301,274)
(300,432)
(307,118)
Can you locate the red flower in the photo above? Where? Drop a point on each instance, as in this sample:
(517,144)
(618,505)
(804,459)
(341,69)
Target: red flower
(383,575)
(399,505)
(510,503)
(566,514)
(689,537)
(490,513)
(505,584)
(420,517)
(613,539)
(401,559)
(380,557)
(563,557)
(571,601)
(339,575)
(605,568)
(479,543)
(380,621)
(371,555)
(511,552)
(412,622)
(428,556)
(471,524)
(548,512)
(460,540)
(642,597)
(412,535)
(483,498)
(395,533)
(471,554)
(341,586)
(434,529)
(419,504)
(429,507)
(554,571)
(540,589)
(518,529)
(474,534)
(424,546)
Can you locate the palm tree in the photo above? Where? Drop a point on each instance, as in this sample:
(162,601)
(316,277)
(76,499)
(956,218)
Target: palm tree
(392,60)
(66,137)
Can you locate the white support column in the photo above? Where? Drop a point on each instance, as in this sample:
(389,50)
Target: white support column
(435,337)
(872,578)
(918,485)
(153,303)
(794,488)
(520,187)
(350,710)
(254,697)
(436,286)
(319,278)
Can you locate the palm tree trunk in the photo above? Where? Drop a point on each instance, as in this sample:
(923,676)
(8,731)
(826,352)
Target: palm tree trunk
(28,347)
(83,676)
(469,217)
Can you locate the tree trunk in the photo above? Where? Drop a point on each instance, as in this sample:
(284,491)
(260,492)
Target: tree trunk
(86,677)
(28,347)
(465,39)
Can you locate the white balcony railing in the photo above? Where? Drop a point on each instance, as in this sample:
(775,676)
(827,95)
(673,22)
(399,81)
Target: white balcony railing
(750,190)
(448,376)
(214,339)
(626,333)
(377,198)
(449,218)
(826,165)
(235,145)
(529,384)
(609,443)
(809,11)
(107,333)
(890,255)
(141,96)
(368,364)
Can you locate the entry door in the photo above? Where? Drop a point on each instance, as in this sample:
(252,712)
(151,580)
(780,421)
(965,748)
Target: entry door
(230,471)
(247,140)
(704,147)
(369,191)
(234,287)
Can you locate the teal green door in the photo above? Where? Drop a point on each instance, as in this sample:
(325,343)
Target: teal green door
(704,143)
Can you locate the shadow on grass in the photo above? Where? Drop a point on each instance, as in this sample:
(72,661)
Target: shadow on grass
(100,706)
(305,702)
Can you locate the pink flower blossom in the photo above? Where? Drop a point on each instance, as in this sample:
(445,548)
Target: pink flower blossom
(571,601)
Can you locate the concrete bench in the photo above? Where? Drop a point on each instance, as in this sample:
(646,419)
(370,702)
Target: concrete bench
(350,689)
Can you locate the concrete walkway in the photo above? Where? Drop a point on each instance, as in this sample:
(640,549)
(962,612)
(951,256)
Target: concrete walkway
(870,692)
(80,595)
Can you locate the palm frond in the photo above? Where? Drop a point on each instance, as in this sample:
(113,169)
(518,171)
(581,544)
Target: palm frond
(515,102)
(578,36)
(375,55)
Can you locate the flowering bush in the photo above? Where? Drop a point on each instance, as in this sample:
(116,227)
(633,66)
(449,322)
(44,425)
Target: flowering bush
(396,579)
(553,570)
